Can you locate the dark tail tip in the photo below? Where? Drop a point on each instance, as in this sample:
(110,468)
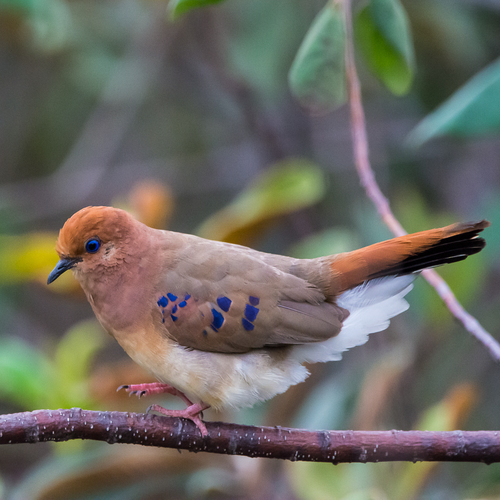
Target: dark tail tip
(462,242)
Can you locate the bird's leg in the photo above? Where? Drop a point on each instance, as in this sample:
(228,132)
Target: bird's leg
(192,413)
(154,388)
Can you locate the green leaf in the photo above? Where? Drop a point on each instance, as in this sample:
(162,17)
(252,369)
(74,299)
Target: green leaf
(179,7)
(317,75)
(471,110)
(285,187)
(384,36)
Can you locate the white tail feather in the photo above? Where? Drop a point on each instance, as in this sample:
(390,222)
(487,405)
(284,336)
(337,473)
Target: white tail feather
(371,306)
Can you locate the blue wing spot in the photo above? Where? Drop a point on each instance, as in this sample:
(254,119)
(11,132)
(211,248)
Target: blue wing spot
(224,303)
(187,297)
(174,309)
(254,300)
(172,297)
(251,312)
(247,325)
(163,320)
(174,318)
(183,304)
(163,301)
(205,333)
(218,320)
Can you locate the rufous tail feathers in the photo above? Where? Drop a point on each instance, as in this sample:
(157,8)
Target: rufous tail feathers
(407,254)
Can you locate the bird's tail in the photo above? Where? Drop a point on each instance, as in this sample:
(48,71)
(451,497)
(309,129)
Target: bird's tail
(406,254)
(373,281)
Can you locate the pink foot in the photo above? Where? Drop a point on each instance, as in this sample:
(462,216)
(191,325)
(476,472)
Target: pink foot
(154,388)
(192,413)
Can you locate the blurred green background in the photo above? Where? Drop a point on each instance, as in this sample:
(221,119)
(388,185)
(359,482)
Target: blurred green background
(191,125)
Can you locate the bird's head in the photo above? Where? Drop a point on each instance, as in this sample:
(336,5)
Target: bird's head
(92,239)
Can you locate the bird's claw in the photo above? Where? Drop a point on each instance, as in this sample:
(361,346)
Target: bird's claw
(191,413)
(151,388)
(139,394)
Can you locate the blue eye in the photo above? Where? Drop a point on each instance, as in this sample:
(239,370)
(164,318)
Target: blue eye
(92,245)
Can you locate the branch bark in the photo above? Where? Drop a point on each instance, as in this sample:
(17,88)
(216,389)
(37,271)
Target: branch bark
(232,439)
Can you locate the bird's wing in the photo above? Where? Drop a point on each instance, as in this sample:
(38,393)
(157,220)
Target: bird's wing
(223,298)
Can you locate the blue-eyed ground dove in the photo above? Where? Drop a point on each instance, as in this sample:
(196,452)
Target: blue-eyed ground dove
(224,325)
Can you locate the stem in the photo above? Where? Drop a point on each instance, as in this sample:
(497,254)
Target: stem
(367,179)
(231,439)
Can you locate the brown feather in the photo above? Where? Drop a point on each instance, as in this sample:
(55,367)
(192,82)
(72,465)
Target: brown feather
(106,223)
(406,254)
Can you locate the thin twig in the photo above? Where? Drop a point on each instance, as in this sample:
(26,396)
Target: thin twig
(367,179)
(232,439)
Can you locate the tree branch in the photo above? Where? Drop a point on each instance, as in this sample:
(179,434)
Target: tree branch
(232,439)
(373,191)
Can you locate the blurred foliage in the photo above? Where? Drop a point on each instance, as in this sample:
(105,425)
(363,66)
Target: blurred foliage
(384,480)
(179,7)
(448,415)
(282,189)
(151,202)
(333,240)
(193,125)
(26,257)
(31,379)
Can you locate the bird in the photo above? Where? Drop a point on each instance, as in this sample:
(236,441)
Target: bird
(222,325)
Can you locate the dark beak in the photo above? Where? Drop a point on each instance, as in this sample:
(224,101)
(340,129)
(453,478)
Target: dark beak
(62,266)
